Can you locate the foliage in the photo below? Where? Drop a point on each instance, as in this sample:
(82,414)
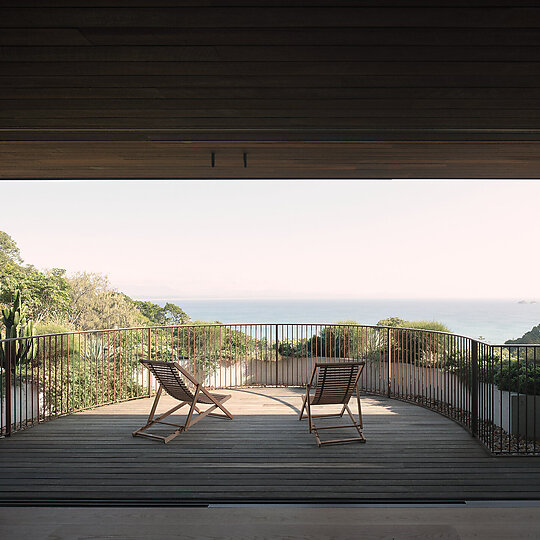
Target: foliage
(295,348)
(458,362)
(46,293)
(52,340)
(497,366)
(203,346)
(16,325)
(414,344)
(95,304)
(344,339)
(9,251)
(85,384)
(396,322)
(206,346)
(52,327)
(170,314)
(528,338)
(392,321)
(84,301)
(518,377)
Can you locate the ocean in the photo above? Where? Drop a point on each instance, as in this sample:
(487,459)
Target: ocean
(494,321)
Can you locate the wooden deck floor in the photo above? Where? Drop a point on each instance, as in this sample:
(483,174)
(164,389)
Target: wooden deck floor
(264,454)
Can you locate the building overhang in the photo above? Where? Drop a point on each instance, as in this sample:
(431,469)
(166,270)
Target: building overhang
(269,89)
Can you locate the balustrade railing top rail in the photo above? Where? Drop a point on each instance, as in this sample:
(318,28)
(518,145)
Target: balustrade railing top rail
(491,390)
(247,324)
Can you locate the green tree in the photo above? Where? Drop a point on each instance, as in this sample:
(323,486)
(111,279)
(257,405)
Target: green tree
(45,293)
(174,314)
(343,339)
(523,377)
(171,314)
(528,338)
(96,305)
(419,341)
(152,312)
(9,251)
(396,322)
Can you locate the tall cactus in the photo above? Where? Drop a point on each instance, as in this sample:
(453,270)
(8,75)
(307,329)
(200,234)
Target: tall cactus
(21,350)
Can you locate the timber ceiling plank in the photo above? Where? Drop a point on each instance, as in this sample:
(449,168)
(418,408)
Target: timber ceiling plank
(318,86)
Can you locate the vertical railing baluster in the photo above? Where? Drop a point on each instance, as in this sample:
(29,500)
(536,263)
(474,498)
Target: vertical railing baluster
(446,373)
(277,356)
(474,388)
(9,348)
(389,361)
(149,357)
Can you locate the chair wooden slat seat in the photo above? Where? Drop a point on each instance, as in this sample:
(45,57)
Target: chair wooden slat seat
(171,376)
(335,383)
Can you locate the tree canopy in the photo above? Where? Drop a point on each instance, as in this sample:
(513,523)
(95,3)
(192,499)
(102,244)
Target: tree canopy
(45,293)
(82,301)
(161,316)
(95,304)
(528,338)
(396,322)
(9,252)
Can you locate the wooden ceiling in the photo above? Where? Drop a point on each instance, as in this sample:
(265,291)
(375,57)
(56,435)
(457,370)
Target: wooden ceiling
(269,89)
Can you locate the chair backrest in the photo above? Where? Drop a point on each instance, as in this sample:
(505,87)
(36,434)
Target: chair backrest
(170,377)
(336,381)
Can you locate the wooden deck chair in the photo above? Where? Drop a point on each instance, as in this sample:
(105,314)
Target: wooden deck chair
(335,384)
(170,376)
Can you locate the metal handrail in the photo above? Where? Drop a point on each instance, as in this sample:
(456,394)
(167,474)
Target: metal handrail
(46,376)
(213,325)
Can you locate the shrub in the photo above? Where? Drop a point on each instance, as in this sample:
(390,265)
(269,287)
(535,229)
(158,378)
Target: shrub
(52,327)
(414,344)
(345,339)
(518,377)
(396,322)
(60,345)
(295,348)
(90,383)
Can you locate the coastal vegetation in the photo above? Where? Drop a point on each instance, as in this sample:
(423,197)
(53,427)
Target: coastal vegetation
(57,302)
(528,338)
(36,302)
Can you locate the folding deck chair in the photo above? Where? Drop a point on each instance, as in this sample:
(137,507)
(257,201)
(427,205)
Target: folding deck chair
(170,376)
(335,384)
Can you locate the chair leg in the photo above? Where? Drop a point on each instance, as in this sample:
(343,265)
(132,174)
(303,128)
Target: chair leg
(190,420)
(310,420)
(354,424)
(192,408)
(150,419)
(154,405)
(360,419)
(303,406)
(220,405)
(158,420)
(357,425)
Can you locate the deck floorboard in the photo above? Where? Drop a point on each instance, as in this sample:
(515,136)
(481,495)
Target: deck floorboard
(264,454)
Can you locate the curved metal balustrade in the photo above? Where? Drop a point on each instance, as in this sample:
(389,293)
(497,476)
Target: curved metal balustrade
(491,390)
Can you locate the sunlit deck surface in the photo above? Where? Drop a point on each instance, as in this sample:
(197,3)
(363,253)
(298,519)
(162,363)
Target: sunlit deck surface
(265,454)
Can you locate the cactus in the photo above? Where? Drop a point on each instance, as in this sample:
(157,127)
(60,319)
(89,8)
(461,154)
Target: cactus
(22,350)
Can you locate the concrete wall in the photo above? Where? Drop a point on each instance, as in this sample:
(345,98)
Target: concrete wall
(26,404)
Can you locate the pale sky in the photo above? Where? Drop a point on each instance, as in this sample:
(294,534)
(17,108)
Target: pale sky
(285,239)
